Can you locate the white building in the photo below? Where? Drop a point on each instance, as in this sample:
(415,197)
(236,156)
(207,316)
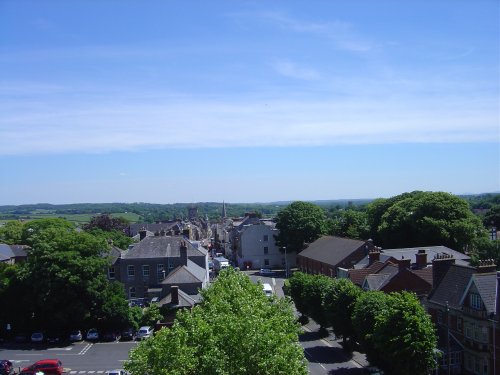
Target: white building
(254,245)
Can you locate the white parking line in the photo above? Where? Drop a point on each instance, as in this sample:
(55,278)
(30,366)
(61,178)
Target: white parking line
(85,349)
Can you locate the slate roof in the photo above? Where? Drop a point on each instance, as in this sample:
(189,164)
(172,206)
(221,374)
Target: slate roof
(452,286)
(486,284)
(190,274)
(161,246)
(410,252)
(331,250)
(358,275)
(425,274)
(185,300)
(375,282)
(8,252)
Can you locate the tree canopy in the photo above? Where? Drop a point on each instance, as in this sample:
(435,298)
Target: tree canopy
(425,219)
(235,330)
(300,223)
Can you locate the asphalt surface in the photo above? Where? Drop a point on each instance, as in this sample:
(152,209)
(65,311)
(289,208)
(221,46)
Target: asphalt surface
(77,358)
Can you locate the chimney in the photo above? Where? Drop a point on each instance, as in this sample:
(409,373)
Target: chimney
(486,265)
(174,295)
(404,263)
(373,256)
(142,234)
(183,252)
(421,257)
(440,265)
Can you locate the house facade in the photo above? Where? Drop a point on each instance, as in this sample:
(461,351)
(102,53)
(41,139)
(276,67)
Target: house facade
(254,246)
(144,266)
(464,307)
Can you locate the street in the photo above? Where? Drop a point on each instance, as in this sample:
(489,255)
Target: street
(324,355)
(77,358)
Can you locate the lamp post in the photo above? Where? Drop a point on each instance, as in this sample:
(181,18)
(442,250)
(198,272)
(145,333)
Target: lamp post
(286,264)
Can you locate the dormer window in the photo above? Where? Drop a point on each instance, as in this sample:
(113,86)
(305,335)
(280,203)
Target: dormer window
(475,301)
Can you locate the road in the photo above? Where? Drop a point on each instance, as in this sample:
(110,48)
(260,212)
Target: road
(324,355)
(77,358)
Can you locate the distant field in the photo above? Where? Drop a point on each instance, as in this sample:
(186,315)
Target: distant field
(77,219)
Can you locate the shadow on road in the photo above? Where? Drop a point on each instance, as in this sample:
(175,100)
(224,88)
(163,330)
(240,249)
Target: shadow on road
(347,371)
(326,354)
(309,336)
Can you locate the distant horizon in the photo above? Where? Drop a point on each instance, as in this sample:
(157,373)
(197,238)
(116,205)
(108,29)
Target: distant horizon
(242,202)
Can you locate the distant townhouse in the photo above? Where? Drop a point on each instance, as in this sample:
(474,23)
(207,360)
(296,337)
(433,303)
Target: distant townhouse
(254,245)
(12,254)
(146,268)
(329,254)
(464,305)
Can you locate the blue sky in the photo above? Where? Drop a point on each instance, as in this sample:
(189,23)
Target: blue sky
(246,101)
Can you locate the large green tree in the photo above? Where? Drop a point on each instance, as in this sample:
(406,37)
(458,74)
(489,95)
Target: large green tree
(364,316)
(11,232)
(338,303)
(300,223)
(235,330)
(429,218)
(350,224)
(405,335)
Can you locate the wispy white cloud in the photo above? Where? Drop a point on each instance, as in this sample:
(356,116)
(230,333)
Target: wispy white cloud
(343,34)
(290,69)
(125,123)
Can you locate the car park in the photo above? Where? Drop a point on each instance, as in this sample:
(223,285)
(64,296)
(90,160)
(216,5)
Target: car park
(144,333)
(128,334)
(76,335)
(47,366)
(37,337)
(92,334)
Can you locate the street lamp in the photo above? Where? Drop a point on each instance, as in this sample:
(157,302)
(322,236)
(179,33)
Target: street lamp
(286,264)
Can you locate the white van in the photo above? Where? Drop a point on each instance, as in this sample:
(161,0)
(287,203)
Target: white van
(268,290)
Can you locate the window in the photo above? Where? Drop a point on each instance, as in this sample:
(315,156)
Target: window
(111,272)
(266,250)
(468,330)
(475,301)
(145,270)
(440,316)
(160,271)
(131,292)
(266,238)
(131,271)
(459,324)
(266,262)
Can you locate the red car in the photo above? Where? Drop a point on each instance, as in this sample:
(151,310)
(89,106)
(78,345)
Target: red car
(47,366)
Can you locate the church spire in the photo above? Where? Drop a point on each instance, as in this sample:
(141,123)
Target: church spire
(223,210)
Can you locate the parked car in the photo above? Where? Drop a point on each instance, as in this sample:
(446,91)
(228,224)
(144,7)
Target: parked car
(47,366)
(144,332)
(53,338)
(37,337)
(76,335)
(6,367)
(21,337)
(266,272)
(111,336)
(128,334)
(117,372)
(92,334)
